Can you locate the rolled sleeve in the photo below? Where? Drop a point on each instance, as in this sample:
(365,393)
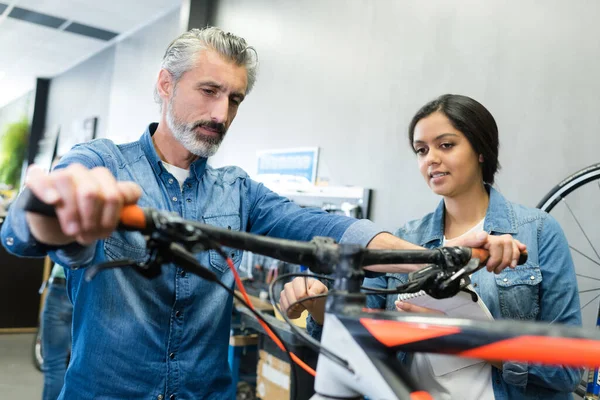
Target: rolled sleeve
(19,241)
(313,328)
(515,373)
(360,232)
(17,237)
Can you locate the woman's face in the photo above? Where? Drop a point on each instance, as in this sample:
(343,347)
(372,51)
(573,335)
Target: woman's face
(446,159)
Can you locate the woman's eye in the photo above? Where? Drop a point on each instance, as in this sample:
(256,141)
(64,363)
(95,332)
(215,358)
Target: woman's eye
(447,145)
(420,150)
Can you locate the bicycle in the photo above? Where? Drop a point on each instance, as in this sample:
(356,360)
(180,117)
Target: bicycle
(357,353)
(579,188)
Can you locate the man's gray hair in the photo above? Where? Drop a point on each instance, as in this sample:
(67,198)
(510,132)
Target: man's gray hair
(181,53)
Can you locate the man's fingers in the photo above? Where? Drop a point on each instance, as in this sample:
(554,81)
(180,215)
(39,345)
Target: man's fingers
(42,187)
(130,191)
(67,212)
(112,200)
(89,198)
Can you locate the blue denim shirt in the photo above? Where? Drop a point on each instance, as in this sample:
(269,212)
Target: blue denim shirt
(543,289)
(135,338)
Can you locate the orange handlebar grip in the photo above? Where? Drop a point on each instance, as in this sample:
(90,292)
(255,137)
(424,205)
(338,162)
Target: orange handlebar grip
(133,216)
(481,254)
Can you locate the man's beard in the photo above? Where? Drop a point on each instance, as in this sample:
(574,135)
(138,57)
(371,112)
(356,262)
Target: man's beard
(196,143)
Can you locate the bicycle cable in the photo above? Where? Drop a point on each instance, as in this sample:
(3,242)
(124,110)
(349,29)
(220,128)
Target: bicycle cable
(312,342)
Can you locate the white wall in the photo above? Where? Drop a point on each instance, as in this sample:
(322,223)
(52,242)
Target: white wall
(115,85)
(137,62)
(347,76)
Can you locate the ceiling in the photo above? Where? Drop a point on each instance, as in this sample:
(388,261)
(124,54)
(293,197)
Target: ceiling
(43,38)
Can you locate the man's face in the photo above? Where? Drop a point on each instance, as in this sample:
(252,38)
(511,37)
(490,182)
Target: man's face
(205,101)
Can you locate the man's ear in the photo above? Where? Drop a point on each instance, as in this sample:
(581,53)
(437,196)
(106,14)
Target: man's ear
(164,84)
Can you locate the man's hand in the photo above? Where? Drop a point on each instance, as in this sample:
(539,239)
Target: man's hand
(504,250)
(88,203)
(300,288)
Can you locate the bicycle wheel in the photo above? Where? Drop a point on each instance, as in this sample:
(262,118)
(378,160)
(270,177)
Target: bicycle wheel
(576,215)
(38,358)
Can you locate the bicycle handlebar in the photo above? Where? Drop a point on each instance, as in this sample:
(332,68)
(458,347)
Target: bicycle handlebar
(319,254)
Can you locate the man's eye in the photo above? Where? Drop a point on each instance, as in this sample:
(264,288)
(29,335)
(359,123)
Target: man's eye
(208,91)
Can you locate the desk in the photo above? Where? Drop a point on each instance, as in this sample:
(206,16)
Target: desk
(248,323)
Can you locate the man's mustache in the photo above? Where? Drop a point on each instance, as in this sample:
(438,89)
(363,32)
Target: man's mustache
(214,126)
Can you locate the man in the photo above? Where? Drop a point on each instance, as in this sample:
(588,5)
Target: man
(167,337)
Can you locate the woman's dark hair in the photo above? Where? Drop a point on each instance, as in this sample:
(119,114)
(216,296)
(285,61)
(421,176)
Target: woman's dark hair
(473,120)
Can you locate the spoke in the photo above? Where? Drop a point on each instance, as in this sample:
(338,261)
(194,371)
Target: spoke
(589,290)
(586,304)
(583,254)
(588,277)
(580,227)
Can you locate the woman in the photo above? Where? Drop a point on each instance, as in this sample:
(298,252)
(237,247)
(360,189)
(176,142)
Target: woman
(455,140)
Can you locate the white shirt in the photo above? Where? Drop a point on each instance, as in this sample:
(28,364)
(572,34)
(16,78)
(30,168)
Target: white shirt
(179,173)
(451,377)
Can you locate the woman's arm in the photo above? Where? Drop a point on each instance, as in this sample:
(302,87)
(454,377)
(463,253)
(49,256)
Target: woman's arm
(559,303)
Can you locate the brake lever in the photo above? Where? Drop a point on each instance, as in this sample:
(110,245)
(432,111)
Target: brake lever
(466,271)
(92,271)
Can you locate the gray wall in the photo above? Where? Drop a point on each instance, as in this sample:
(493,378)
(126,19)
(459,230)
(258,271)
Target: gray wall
(347,76)
(115,85)
(82,92)
(137,62)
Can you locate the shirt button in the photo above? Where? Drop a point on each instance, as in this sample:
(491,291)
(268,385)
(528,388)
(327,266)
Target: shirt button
(174,198)
(170,180)
(505,280)
(183,274)
(532,277)
(189,185)
(172,397)
(188,200)
(178,313)
(160,397)
(475,285)
(10,241)
(172,356)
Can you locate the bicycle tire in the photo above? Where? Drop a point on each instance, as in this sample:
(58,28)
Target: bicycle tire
(553,197)
(37,355)
(568,185)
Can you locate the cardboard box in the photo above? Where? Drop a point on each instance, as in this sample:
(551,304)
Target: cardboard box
(272,377)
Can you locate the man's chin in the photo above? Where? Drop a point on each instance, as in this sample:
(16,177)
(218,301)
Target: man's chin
(205,150)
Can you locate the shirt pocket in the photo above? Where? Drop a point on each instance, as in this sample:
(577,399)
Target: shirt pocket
(129,245)
(519,292)
(231,222)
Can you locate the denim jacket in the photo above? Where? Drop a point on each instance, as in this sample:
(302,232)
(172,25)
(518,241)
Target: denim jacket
(167,337)
(543,289)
